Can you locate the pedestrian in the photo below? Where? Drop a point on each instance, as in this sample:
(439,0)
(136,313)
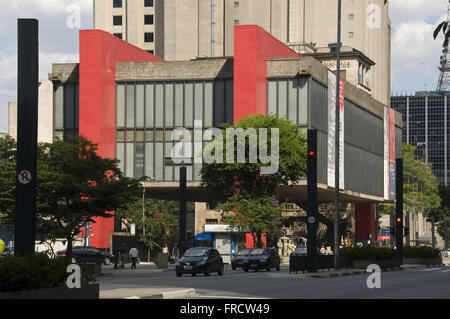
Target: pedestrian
(165,249)
(134,253)
(116,258)
(123,257)
(175,251)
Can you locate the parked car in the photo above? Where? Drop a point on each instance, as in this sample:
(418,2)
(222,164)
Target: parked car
(81,254)
(238,260)
(300,251)
(200,260)
(262,258)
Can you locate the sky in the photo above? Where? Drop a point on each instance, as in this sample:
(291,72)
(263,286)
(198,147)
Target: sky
(415,54)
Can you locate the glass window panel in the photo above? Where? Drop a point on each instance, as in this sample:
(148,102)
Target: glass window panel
(120,155)
(139,136)
(159,105)
(59,135)
(208,105)
(129,164)
(179,104)
(77,107)
(120,115)
(197,175)
(149,103)
(139,169)
(303,102)
(219,103)
(169,105)
(176,173)
(282,91)
(120,136)
(59,105)
(292,107)
(198,101)
(130,106)
(189,173)
(159,135)
(68,106)
(149,135)
(229,102)
(140,105)
(272,98)
(168,168)
(130,135)
(149,159)
(188,105)
(159,161)
(168,135)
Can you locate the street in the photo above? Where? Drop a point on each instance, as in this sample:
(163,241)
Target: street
(423,282)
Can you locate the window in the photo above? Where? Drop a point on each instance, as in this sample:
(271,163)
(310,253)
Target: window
(350,34)
(148,37)
(117,20)
(351,17)
(148,19)
(148,3)
(151,51)
(117,3)
(236,4)
(119,35)
(212,221)
(236,22)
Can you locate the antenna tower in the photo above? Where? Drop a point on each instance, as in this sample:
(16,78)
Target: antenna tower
(444,66)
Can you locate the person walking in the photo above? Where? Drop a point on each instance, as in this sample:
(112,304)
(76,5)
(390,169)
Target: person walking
(175,251)
(134,253)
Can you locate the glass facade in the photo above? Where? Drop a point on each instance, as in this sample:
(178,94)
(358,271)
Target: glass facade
(147,113)
(425,117)
(65,106)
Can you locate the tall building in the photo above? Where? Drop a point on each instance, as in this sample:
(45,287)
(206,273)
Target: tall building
(186,29)
(426,126)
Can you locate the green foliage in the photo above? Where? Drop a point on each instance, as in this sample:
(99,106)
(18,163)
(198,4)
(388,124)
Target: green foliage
(419,184)
(18,273)
(74,185)
(159,222)
(257,215)
(223,180)
(369,253)
(420,252)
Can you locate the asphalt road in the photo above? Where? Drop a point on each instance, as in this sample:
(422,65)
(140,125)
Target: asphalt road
(423,283)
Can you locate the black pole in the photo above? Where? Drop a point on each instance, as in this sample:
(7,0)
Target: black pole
(392,228)
(336,179)
(446,234)
(27,119)
(311,228)
(399,208)
(183,209)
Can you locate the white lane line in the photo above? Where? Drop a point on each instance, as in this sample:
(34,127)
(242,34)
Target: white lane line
(431,269)
(446,270)
(229,297)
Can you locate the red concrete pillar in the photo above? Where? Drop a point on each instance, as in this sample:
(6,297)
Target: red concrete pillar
(365,222)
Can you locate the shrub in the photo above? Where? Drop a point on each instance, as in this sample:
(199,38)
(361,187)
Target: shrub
(19,273)
(420,252)
(369,253)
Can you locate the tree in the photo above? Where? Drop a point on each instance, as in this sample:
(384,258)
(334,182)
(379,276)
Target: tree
(7,181)
(74,185)
(256,215)
(159,222)
(242,187)
(443,213)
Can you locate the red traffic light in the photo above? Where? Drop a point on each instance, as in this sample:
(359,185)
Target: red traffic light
(399,220)
(312,153)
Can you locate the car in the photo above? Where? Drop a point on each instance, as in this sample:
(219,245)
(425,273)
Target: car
(87,254)
(238,260)
(200,260)
(300,251)
(262,258)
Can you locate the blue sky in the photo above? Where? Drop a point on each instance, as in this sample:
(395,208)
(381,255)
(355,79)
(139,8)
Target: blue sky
(415,54)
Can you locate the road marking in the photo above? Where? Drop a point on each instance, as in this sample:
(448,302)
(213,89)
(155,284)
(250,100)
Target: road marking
(230,297)
(133,297)
(432,269)
(446,270)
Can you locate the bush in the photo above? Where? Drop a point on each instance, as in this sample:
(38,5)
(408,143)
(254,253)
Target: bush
(19,273)
(420,252)
(369,253)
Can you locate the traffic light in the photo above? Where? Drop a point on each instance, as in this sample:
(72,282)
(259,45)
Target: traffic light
(398,219)
(311,226)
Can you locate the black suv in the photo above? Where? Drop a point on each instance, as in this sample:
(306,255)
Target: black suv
(262,258)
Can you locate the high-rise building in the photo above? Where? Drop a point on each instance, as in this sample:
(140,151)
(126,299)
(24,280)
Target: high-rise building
(186,29)
(426,126)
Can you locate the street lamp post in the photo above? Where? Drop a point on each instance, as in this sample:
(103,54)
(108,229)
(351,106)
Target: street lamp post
(336,187)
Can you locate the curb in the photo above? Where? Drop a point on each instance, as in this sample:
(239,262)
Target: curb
(177,294)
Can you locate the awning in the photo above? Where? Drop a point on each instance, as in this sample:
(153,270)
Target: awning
(203,236)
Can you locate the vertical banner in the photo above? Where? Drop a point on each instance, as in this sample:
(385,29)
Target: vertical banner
(391,154)
(331,169)
(341,132)
(386,153)
(331,128)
